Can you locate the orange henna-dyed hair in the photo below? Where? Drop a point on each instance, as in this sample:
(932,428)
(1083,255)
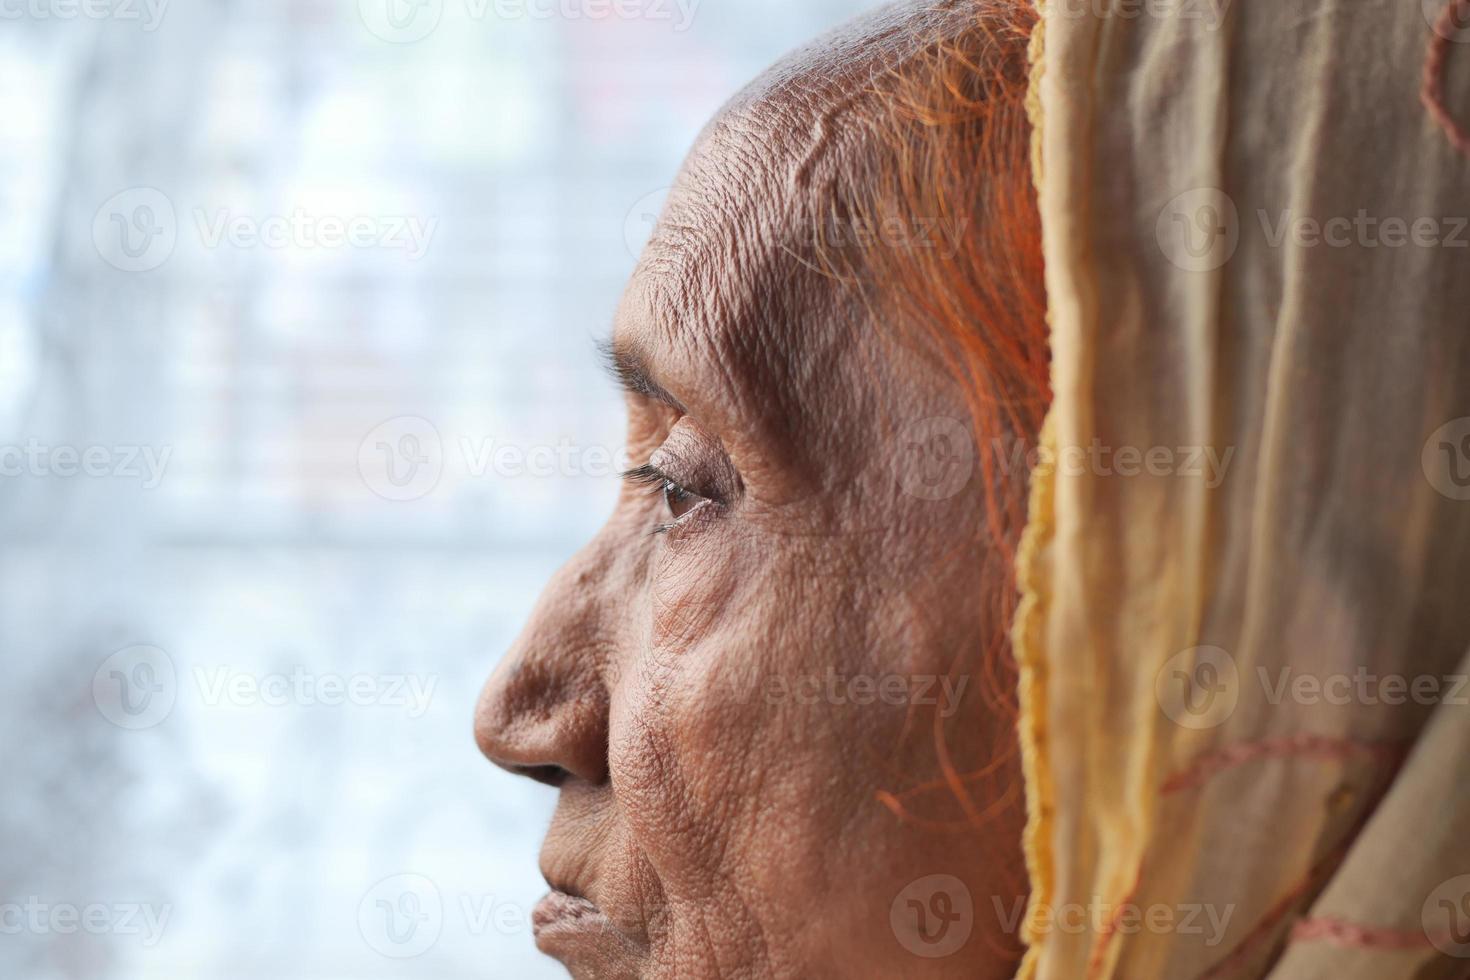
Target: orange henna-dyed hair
(954,152)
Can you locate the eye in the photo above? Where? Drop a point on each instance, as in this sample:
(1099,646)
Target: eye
(678,501)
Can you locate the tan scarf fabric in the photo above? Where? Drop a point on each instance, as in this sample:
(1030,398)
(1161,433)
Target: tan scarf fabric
(1246,585)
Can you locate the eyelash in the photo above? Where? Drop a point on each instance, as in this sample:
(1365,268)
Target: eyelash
(657,481)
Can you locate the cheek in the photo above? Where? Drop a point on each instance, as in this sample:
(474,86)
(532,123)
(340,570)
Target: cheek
(673,718)
(723,721)
(744,780)
(693,582)
(680,770)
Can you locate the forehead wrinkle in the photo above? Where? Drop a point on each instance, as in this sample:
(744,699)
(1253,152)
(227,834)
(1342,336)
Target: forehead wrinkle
(720,281)
(724,279)
(740,221)
(773,159)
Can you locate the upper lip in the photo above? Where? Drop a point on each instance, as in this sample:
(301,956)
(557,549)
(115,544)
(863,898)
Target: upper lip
(569,868)
(564,876)
(575,905)
(565,887)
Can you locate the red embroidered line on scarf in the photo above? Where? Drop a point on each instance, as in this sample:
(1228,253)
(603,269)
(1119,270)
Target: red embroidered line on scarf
(1451,20)
(1340,932)
(1211,764)
(1275,913)
(1100,946)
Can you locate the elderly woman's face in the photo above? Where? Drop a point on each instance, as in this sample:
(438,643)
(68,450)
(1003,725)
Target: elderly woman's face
(751,686)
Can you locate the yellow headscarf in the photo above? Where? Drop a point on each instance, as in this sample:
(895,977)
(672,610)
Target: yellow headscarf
(1246,583)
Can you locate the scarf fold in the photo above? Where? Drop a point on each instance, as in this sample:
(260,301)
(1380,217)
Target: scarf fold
(1246,584)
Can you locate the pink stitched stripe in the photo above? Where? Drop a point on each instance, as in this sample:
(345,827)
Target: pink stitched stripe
(1340,932)
(1452,19)
(1318,746)
(1105,937)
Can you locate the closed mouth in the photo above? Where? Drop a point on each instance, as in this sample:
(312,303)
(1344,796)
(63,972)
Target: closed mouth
(579,934)
(562,910)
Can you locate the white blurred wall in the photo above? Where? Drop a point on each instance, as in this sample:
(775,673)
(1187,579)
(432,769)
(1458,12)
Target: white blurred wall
(366,456)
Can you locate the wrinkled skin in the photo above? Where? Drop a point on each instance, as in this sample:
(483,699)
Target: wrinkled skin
(718,806)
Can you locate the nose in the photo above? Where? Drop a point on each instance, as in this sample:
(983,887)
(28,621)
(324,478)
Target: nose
(544,711)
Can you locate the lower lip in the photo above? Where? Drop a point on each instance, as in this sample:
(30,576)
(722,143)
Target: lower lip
(578,933)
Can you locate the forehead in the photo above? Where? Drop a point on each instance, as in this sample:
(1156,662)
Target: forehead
(777,154)
(731,275)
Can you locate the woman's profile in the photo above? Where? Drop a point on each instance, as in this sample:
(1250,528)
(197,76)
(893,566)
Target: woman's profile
(938,628)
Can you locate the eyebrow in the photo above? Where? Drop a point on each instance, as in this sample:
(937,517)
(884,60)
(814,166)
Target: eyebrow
(628,367)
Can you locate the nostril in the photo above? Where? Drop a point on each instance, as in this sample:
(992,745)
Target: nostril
(539,719)
(550,775)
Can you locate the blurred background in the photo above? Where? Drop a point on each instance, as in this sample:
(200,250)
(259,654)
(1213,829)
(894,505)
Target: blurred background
(298,409)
